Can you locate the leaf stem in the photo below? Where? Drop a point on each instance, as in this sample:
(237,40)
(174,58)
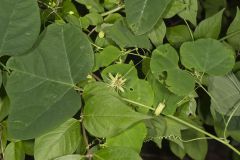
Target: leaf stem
(204,132)
(113,10)
(223,141)
(230,35)
(138,104)
(189,29)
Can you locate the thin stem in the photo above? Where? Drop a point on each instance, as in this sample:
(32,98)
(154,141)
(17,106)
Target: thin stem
(204,132)
(228,121)
(224,141)
(98,47)
(230,35)
(138,104)
(112,11)
(189,29)
(85,138)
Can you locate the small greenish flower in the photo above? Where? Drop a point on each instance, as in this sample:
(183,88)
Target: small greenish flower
(117,82)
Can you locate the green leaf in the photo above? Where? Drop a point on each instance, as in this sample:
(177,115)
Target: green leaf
(210,27)
(58,142)
(131,138)
(213,6)
(180,82)
(71,157)
(162,94)
(158,33)
(92,5)
(116,153)
(46,93)
(4,108)
(139,91)
(196,149)
(233,28)
(111,118)
(14,151)
(177,35)
(128,71)
(143,15)
(20,26)
(124,38)
(208,56)
(96,89)
(106,56)
(94,18)
(164,58)
(177,150)
(175,7)
(225,92)
(190,11)
(68,8)
(28,146)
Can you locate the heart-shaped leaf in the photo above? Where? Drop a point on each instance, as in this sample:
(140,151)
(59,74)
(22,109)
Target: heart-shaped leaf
(208,56)
(41,86)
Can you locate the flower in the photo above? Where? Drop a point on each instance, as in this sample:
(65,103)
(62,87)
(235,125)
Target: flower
(116,82)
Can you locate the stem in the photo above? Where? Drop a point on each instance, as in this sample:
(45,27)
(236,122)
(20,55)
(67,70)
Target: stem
(112,11)
(230,35)
(86,142)
(204,132)
(189,125)
(138,104)
(189,29)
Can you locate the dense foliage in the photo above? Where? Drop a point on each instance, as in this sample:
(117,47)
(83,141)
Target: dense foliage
(96,79)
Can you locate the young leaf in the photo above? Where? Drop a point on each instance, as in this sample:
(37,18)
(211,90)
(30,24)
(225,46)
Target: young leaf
(20,26)
(235,27)
(131,138)
(210,27)
(124,38)
(106,57)
(158,33)
(177,35)
(208,56)
(14,151)
(116,153)
(46,93)
(143,15)
(190,11)
(58,142)
(111,118)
